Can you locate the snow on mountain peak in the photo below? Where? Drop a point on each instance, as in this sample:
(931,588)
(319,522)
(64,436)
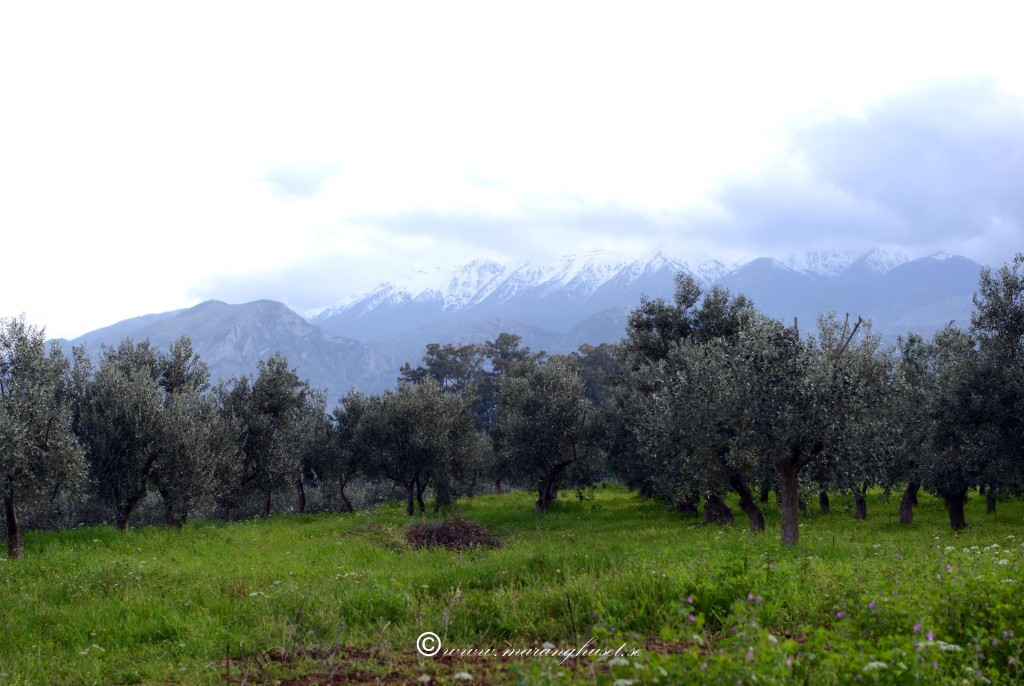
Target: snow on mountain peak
(579,275)
(883,261)
(827,263)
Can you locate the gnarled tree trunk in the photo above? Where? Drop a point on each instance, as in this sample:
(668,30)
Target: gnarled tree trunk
(15,546)
(345,502)
(300,489)
(716,511)
(687,506)
(908,501)
(170,518)
(861,504)
(955,501)
(545,495)
(824,506)
(754,514)
(419,497)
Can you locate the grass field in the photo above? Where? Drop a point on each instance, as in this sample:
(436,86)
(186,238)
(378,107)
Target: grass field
(342,599)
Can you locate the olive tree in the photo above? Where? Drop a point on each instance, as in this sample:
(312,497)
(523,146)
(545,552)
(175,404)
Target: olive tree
(547,429)
(39,454)
(963,439)
(121,424)
(417,436)
(266,413)
(998,325)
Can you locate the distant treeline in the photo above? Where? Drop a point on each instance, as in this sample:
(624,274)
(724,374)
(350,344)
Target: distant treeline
(704,395)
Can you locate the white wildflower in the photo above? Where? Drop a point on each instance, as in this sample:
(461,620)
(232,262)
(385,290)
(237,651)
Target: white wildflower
(872,666)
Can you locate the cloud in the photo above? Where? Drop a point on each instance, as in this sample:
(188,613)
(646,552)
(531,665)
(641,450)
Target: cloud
(938,168)
(299,182)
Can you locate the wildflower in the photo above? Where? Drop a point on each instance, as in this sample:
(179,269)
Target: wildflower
(949,568)
(618,662)
(840,614)
(1007,634)
(692,618)
(917,627)
(931,636)
(689,599)
(462,676)
(750,654)
(789,662)
(871,605)
(1011,661)
(750,597)
(704,665)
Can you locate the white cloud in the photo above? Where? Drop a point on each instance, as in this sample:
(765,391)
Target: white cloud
(149,152)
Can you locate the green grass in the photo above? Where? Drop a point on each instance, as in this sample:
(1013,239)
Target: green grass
(301,595)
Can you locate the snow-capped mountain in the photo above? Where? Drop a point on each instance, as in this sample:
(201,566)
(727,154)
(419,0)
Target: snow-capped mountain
(554,306)
(832,264)
(560,294)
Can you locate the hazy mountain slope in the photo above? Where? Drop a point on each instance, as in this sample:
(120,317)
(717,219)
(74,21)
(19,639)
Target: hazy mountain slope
(233,338)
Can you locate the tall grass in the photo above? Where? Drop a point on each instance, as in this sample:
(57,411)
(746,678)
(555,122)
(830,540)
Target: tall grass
(156,605)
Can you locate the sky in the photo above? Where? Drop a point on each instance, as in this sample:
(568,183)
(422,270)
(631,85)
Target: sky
(155,155)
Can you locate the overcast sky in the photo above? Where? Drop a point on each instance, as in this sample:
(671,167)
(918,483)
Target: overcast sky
(156,155)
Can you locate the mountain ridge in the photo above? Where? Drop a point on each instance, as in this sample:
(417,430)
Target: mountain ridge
(555,306)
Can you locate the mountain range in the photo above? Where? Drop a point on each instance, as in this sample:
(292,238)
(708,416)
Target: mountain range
(362,341)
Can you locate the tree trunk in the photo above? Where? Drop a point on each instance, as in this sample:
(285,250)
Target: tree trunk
(226,512)
(301,489)
(990,501)
(754,513)
(410,505)
(267,505)
(346,503)
(497,486)
(907,503)
(419,498)
(15,546)
(170,519)
(122,519)
(124,514)
(861,504)
(716,511)
(955,501)
(823,504)
(765,492)
(545,495)
(789,496)
(687,506)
